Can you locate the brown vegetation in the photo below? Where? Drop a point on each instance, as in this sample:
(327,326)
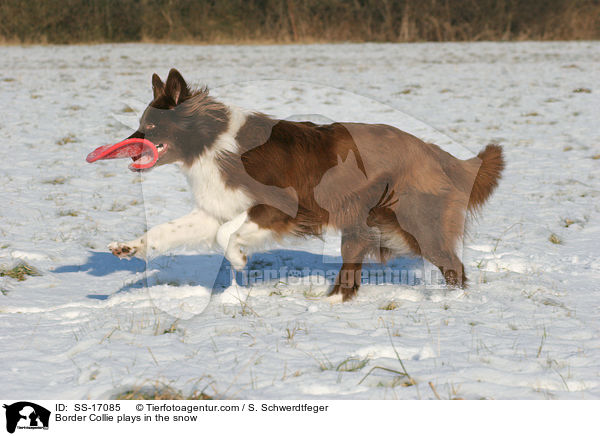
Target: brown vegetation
(282,21)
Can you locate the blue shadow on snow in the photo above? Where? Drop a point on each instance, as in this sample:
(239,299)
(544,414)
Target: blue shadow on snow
(213,271)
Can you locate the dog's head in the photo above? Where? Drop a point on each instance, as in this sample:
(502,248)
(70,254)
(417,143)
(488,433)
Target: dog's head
(180,122)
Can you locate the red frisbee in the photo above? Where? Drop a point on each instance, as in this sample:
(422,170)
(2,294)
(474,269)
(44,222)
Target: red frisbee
(142,151)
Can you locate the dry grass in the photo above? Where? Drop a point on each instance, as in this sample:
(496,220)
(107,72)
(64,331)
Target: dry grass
(70,138)
(555,239)
(69,212)
(288,21)
(402,377)
(19,272)
(160,392)
(55,181)
(392,305)
(352,364)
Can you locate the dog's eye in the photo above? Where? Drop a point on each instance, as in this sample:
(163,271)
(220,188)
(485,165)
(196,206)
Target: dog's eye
(150,126)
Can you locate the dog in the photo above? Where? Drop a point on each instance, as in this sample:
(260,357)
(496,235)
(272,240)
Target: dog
(256,179)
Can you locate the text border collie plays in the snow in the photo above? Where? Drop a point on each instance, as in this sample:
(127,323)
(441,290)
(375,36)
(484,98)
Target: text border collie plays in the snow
(256,179)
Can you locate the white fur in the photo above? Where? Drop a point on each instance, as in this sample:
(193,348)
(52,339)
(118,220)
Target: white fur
(196,228)
(334,299)
(206,181)
(229,228)
(395,242)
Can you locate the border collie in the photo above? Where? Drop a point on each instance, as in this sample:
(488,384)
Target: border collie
(255,179)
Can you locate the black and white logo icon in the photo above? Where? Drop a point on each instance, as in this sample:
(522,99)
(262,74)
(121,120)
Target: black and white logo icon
(26,415)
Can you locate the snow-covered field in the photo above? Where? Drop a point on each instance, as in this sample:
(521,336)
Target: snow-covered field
(93,326)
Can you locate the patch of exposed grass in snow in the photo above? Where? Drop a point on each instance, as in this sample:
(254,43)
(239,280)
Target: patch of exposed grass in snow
(67,139)
(69,212)
(56,181)
(160,392)
(555,239)
(392,305)
(117,207)
(19,272)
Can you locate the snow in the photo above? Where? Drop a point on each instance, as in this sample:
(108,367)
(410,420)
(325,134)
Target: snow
(93,326)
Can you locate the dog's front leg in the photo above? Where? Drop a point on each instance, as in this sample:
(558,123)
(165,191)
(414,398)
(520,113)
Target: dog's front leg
(196,228)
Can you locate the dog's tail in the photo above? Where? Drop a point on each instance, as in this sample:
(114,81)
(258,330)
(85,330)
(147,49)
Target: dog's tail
(490,171)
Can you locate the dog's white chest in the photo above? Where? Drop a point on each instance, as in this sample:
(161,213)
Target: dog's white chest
(210,191)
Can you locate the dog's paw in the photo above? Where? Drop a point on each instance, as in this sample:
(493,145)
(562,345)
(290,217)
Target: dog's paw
(237,258)
(123,250)
(334,299)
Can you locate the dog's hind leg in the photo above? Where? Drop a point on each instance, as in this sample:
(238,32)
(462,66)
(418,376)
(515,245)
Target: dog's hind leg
(196,228)
(449,265)
(354,249)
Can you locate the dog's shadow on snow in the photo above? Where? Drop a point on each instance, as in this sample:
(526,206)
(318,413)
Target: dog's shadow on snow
(101,264)
(213,271)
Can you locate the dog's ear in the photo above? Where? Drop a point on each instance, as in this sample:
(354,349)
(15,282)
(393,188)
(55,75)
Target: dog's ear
(176,88)
(158,87)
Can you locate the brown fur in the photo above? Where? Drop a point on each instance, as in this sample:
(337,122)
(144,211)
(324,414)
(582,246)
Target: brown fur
(492,164)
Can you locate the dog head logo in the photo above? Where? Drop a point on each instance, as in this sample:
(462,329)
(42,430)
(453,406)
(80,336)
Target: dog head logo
(26,415)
